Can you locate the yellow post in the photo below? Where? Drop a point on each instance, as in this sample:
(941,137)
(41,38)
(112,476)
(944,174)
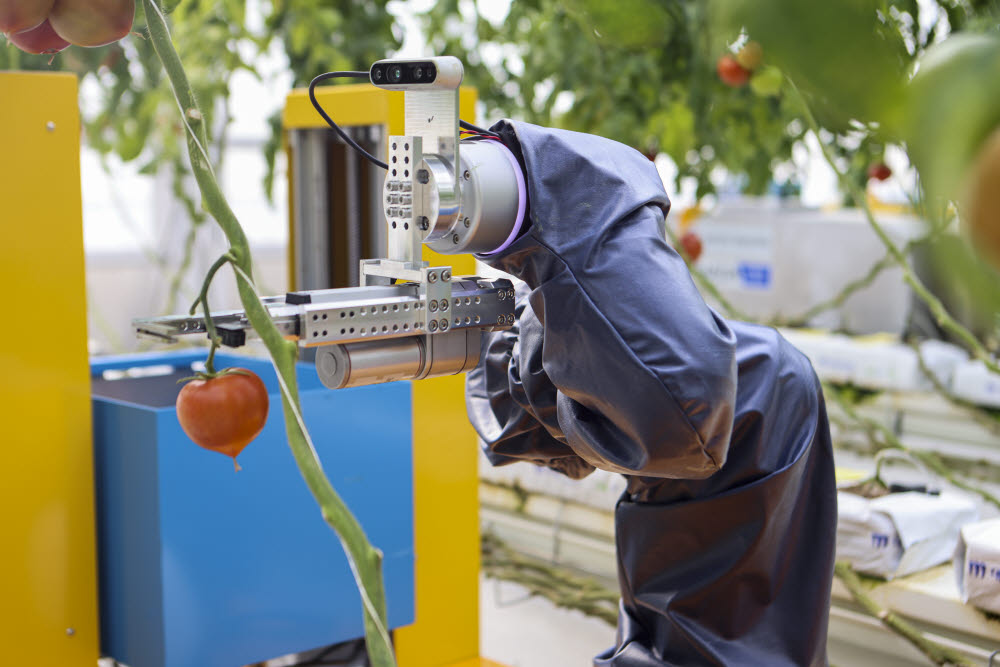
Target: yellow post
(445,489)
(48,561)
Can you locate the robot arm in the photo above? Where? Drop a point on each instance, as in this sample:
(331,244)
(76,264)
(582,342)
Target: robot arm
(644,372)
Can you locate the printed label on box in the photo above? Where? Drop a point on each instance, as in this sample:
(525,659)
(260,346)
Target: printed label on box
(737,256)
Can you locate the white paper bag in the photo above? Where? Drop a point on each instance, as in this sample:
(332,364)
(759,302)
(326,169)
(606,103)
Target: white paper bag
(900,533)
(977,564)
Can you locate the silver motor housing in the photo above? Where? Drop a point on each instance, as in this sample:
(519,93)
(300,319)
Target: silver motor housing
(409,358)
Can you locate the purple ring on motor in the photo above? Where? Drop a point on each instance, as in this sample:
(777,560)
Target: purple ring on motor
(522,201)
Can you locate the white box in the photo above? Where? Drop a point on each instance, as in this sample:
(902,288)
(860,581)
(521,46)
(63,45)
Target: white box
(974,382)
(900,533)
(779,260)
(977,564)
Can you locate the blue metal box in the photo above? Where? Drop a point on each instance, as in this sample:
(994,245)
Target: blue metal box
(201,566)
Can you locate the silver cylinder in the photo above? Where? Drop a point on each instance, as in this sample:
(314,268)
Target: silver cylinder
(370,362)
(392,359)
(491,201)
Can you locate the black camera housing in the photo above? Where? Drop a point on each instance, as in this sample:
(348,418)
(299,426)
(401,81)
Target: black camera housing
(402,73)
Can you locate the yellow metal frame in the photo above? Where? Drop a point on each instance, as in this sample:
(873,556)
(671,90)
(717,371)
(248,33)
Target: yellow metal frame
(445,489)
(48,569)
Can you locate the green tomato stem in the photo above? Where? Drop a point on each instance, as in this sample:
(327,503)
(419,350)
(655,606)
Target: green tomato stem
(364,559)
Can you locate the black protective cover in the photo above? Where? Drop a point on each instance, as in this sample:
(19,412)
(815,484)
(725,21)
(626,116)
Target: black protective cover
(725,533)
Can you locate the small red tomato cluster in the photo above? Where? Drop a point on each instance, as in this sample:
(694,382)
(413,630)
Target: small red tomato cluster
(49,26)
(735,70)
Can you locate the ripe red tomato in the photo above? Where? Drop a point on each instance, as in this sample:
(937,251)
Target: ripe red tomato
(691,243)
(92,22)
(879,171)
(21,15)
(42,39)
(981,203)
(224,413)
(731,72)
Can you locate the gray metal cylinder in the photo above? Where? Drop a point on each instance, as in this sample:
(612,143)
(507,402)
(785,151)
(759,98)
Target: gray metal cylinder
(490,201)
(392,359)
(371,362)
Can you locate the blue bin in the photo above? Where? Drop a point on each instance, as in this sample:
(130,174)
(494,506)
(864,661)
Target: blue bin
(201,566)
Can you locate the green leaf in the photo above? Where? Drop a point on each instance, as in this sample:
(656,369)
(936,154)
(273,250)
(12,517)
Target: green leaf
(952,106)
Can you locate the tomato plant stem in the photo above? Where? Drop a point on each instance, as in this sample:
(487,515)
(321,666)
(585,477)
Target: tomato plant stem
(940,313)
(937,653)
(213,335)
(364,559)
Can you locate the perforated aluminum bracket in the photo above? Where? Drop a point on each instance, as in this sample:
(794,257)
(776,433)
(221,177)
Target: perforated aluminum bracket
(435,288)
(405,236)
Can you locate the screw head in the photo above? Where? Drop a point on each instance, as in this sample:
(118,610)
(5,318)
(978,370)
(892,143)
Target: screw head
(70,632)
(510,318)
(455,239)
(424,223)
(51,126)
(444,305)
(433,306)
(466,221)
(446,275)
(433,326)
(467,174)
(444,325)
(501,319)
(432,277)
(423,176)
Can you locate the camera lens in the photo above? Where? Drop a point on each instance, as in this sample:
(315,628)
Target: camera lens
(418,73)
(395,74)
(378,74)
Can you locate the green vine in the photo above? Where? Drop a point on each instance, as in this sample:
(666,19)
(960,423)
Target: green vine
(364,559)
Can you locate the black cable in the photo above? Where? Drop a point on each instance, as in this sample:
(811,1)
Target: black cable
(350,142)
(470,126)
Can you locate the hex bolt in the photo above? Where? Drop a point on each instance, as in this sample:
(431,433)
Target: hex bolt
(446,275)
(433,326)
(432,277)
(423,176)
(433,306)
(444,325)
(467,175)
(466,221)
